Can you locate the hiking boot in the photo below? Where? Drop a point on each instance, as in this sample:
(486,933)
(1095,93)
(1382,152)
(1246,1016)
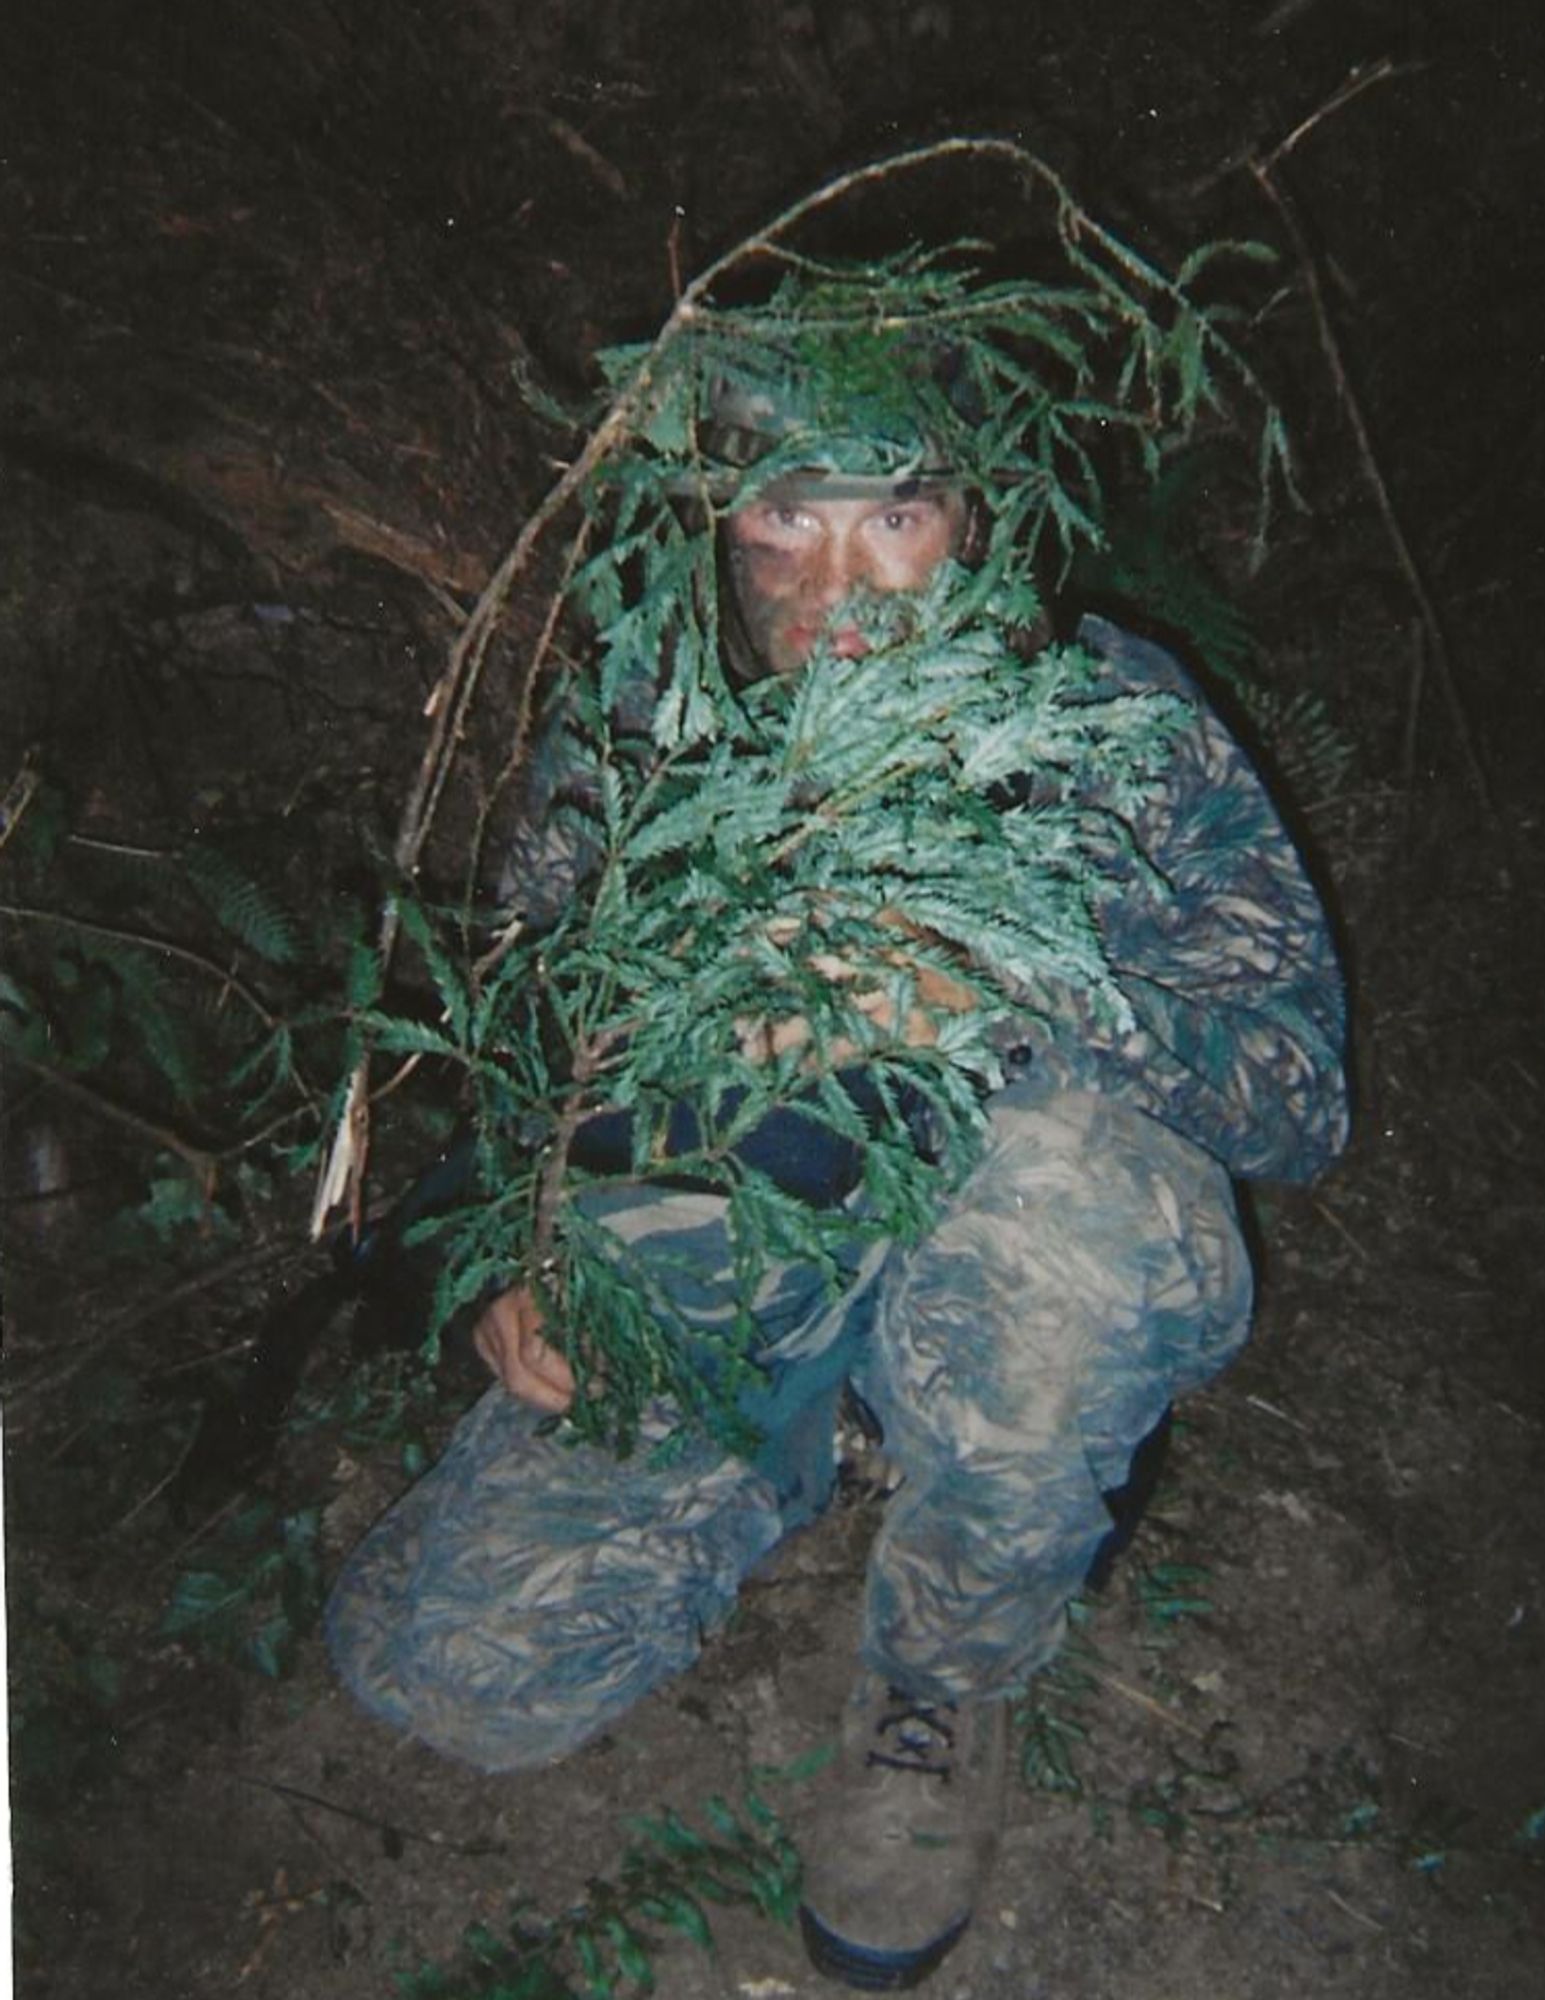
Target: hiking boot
(905,1831)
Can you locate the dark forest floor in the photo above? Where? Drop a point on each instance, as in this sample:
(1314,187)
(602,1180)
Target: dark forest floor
(264,283)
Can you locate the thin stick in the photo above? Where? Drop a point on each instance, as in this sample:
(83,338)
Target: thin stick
(1436,649)
(1330,1216)
(202,1160)
(382,1826)
(1357,81)
(1358,1916)
(245,1345)
(160,1486)
(1409,733)
(210,1522)
(19,794)
(122,1323)
(241,1265)
(1143,1701)
(146,942)
(1271,1410)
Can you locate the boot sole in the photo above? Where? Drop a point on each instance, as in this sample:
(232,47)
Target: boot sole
(869,1970)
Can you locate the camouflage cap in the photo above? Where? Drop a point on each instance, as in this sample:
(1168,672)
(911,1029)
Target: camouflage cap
(864,418)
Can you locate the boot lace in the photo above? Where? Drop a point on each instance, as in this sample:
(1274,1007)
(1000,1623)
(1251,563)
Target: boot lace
(916,1736)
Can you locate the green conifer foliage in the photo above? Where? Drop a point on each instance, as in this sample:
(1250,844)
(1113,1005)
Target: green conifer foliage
(783,878)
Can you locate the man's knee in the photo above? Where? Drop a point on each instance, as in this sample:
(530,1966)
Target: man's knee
(1089,1272)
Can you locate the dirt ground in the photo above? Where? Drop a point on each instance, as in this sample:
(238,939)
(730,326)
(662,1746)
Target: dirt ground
(266,284)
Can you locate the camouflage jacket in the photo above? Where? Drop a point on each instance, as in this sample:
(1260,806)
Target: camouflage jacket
(1229,968)
(1231,974)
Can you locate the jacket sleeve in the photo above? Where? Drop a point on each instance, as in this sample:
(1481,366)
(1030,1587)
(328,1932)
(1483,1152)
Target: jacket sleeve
(551,849)
(1227,964)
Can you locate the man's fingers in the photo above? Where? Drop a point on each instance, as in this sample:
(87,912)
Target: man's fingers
(541,1393)
(549,1365)
(538,1373)
(509,1341)
(486,1343)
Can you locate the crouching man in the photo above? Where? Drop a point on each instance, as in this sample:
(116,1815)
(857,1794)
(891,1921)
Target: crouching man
(1088,1273)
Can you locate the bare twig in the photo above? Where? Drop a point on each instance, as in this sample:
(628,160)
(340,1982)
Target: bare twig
(1329,1215)
(19,794)
(1271,1410)
(114,1328)
(1435,651)
(1358,79)
(202,1159)
(1414,694)
(575,143)
(160,1486)
(126,850)
(398,1077)
(275,1124)
(1356,82)
(88,927)
(242,1265)
(589,1061)
(1145,1702)
(195,1362)
(390,1829)
(210,1522)
(433,565)
(1357,1916)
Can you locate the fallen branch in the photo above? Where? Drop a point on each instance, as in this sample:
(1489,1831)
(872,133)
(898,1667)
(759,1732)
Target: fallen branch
(1436,646)
(1362,78)
(19,794)
(389,1830)
(575,143)
(116,1325)
(438,567)
(203,1160)
(1357,81)
(1143,1701)
(89,927)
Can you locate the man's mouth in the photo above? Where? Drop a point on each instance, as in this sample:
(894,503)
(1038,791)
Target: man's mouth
(845,643)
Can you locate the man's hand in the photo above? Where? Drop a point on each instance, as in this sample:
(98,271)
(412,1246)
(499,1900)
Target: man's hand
(508,1336)
(935,993)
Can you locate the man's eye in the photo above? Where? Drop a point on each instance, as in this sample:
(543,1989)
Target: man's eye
(782,526)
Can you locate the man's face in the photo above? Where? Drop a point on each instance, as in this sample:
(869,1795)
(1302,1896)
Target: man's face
(796,557)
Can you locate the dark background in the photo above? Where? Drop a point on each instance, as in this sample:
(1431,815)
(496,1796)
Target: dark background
(267,278)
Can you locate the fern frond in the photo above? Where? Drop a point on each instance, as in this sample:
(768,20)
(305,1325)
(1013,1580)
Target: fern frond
(239,904)
(1307,745)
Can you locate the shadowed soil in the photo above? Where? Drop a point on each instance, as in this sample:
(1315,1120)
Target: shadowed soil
(267,282)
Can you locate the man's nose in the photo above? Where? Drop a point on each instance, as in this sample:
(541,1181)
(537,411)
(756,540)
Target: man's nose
(837,569)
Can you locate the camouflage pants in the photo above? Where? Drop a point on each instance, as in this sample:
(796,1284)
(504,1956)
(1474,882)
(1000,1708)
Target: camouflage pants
(525,1593)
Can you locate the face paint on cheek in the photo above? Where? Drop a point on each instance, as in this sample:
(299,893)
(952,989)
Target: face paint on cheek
(794,570)
(765,587)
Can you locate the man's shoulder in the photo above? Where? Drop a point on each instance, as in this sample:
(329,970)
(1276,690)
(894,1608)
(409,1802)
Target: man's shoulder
(1134,664)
